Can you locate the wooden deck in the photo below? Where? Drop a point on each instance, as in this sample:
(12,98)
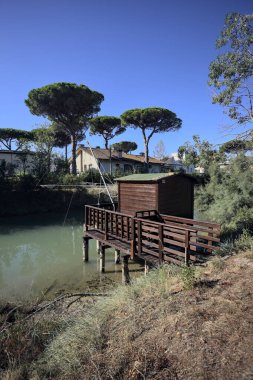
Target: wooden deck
(155,238)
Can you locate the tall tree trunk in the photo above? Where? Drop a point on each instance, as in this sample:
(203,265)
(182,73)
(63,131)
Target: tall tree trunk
(106,143)
(73,146)
(146,156)
(146,141)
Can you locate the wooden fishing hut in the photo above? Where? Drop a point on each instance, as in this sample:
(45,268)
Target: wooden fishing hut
(167,193)
(154,222)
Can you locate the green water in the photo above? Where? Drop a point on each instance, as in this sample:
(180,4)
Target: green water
(40,251)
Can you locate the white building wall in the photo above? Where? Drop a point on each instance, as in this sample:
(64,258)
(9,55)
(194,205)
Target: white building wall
(88,162)
(13,158)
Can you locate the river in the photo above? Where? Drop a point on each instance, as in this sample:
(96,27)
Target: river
(42,251)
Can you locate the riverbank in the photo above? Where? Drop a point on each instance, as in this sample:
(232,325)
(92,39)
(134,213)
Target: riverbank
(173,324)
(42,200)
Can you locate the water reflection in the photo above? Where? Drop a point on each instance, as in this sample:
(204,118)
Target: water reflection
(36,251)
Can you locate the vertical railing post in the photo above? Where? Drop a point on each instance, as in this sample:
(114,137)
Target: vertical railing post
(160,242)
(139,237)
(133,236)
(122,226)
(116,225)
(86,218)
(187,254)
(127,228)
(106,225)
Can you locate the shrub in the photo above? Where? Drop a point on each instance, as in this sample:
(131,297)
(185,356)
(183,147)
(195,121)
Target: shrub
(228,197)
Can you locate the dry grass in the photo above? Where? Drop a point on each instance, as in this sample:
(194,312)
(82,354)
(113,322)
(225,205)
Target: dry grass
(173,324)
(156,329)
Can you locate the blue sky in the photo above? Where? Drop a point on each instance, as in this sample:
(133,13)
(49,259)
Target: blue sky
(138,53)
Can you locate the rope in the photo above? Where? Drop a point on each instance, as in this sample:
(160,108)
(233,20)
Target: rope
(101,175)
(68,209)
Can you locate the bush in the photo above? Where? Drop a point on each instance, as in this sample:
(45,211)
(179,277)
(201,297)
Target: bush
(228,197)
(25,183)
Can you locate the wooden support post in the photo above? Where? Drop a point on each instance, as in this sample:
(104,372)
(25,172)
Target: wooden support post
(102,258)
(125,271)
(187,255)
(117,256)
(98,246)
(85,249)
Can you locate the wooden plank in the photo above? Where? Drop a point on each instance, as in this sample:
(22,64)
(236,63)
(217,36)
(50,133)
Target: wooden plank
(174,242)
(179,237)
(198,244)
(149,229)
(178,253)
(191,221)
(151,252)
(173,260)
(150,236)
(150,244)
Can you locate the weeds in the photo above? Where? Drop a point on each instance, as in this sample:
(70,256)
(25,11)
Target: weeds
(188,276)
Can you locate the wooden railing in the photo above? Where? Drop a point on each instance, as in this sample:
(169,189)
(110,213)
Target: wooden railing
(111,223)
(174,240)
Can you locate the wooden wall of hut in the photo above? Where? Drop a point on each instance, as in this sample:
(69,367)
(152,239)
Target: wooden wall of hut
(168,193)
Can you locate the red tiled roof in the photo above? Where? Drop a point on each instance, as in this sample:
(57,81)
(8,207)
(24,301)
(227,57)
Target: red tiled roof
(104,154)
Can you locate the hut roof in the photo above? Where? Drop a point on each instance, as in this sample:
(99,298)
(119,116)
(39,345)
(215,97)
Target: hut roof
(154,177)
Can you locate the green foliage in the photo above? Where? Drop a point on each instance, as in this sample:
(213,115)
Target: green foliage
(92,176)
(125,146)
(61,137)
(228,197)
(106,126)
(69,106)
(25,183)
(8,136)
(2,169)
(199,153)
(236,146)
(61,166)
(231,72)
(154,120)
(188,276)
